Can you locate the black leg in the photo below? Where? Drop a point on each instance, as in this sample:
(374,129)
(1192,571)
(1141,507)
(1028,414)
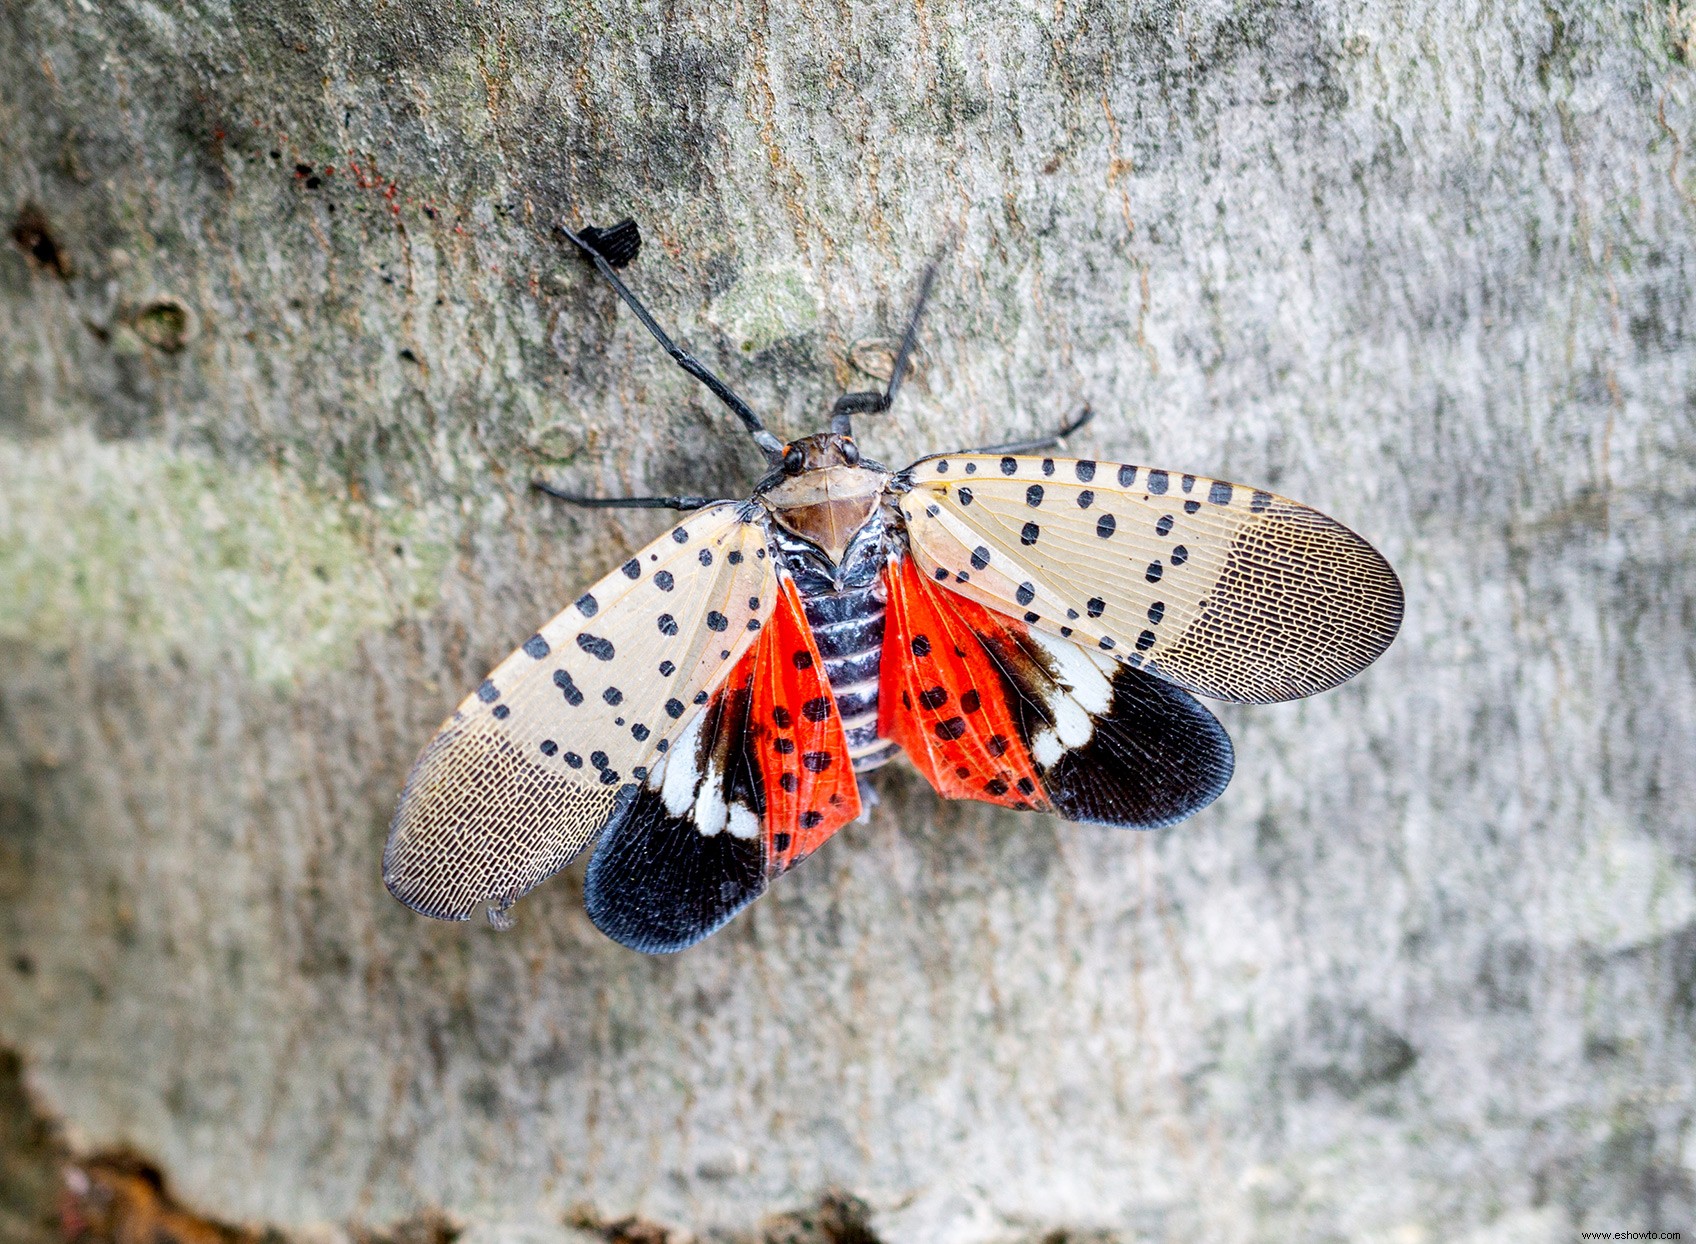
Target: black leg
(849,404)
(624,503)
(1042,442)
(688,362)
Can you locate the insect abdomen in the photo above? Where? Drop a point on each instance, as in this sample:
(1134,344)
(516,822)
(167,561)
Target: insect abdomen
(848,625)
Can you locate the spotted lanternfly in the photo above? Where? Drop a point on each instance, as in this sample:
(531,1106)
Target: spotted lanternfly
(1031,631)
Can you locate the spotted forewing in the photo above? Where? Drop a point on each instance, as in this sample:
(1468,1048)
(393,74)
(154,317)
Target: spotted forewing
(1227,591)
(561,735)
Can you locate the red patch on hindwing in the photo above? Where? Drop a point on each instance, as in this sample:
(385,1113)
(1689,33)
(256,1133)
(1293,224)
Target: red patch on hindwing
(943,699)
(797,734)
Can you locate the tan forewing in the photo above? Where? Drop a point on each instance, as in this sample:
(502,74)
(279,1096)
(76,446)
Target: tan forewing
(1227,591)
(530,766)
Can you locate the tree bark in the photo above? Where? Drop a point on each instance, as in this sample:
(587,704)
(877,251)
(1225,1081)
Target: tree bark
(284,338)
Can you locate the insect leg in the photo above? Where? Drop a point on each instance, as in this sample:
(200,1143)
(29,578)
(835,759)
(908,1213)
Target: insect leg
(1041,442)
(688,362)
(624,503)
(849,404)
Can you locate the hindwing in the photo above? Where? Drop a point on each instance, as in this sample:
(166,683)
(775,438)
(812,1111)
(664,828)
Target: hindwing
(562,734)
(755,784)
(989,708)
(1228,591)
(944,699)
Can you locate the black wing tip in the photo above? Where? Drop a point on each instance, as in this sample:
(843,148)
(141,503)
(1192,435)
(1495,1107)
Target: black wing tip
(657,884)
(618,244)
(1157,758)
(629,930)
(648,927)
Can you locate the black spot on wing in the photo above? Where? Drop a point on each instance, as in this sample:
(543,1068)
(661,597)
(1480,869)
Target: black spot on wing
(596,646)
(563,681)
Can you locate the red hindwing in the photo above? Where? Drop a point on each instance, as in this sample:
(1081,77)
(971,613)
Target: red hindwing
(943,698)
(810,789)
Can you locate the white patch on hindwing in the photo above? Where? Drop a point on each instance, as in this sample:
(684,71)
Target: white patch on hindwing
(743,822)
(696,794)
(1081,670)
(1085,693)
(711,812)
(682,768)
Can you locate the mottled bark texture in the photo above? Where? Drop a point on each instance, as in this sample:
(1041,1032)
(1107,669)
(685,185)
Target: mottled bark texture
(284,338)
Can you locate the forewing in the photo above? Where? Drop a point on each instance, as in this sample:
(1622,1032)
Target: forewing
(1228,591)
(755,784)
(560,736)
(1052,725)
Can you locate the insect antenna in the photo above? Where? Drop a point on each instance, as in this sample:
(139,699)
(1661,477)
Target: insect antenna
(617,246)
(850,404)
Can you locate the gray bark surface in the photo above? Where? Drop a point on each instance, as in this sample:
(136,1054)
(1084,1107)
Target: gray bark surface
(284,337)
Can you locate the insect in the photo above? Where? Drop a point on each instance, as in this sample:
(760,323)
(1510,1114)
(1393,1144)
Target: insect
(1031,631)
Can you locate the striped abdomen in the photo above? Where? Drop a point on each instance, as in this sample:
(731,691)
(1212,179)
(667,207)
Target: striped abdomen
(848,625)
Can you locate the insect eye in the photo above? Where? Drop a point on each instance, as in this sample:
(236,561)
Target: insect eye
(850,453)
(793,460)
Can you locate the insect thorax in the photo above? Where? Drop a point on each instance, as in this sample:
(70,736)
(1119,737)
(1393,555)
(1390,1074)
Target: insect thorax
(825,495)
(844,605)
